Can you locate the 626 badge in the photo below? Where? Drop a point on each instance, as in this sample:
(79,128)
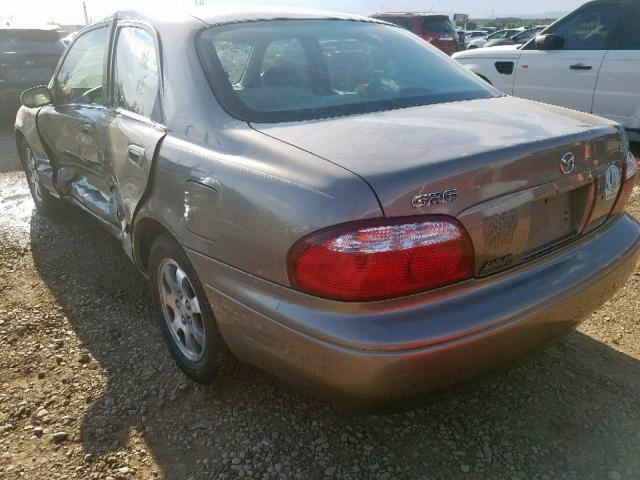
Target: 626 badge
(435,198)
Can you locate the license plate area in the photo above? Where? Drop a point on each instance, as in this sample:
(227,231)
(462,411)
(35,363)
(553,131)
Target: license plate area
(516,228)
(553,223)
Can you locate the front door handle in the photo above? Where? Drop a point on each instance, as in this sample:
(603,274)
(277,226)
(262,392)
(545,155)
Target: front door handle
(136,155)
(580,66)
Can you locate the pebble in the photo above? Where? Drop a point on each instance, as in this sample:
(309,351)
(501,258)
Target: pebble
(37,431)
(59,437)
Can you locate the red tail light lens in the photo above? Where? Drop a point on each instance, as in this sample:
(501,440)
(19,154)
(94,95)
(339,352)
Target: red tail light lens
(376,260)
(629,179)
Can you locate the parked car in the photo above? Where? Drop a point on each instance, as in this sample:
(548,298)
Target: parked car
(435,29)
(388,228)
(28,57)
(520,38)
(482,41)
(589,61)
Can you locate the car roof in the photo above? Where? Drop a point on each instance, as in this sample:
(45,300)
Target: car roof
(410,14)
(217,15)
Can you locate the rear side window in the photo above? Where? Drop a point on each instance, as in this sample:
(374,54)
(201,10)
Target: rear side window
(296,70)
(234,57)
(82,76)
(437,25)
(136,73)
(590,28)
(631,39)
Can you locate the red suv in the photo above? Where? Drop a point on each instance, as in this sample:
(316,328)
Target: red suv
(435,29)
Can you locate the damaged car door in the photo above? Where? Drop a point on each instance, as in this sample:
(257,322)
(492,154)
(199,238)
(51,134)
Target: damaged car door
(73,127)
(137,124)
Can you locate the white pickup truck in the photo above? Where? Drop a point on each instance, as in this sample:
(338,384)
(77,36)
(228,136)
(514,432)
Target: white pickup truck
(588,60)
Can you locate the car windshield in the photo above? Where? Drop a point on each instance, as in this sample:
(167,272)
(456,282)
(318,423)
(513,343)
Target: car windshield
(29,41)
(294,70)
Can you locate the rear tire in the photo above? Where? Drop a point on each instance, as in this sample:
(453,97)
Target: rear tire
(185,316)
(44,202)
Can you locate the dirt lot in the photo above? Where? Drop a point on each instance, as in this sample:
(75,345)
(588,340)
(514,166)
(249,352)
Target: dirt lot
(87,388)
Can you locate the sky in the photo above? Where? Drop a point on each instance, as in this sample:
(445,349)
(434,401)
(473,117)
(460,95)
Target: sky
(70,11)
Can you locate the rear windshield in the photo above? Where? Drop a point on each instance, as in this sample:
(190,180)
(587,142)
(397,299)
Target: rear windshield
(30,41)
(294,70)
(404,22)
(437,25)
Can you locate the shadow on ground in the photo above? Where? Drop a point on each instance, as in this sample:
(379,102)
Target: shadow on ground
(570,412)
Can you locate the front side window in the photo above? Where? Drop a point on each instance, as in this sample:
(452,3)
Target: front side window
(82,76)
(307,69)
(590,28)
(136,74)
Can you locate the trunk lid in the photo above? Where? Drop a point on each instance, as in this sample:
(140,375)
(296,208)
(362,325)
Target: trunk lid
(493,164)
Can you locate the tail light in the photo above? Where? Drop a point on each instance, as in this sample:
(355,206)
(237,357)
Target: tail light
(629,179)
(375,260)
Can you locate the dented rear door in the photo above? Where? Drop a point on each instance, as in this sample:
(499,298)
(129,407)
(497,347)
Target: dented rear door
(137,125)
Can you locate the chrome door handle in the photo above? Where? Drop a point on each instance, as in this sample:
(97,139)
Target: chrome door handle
(580,66)
(136,155)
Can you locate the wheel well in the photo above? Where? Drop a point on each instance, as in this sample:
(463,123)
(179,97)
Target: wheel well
(147,230)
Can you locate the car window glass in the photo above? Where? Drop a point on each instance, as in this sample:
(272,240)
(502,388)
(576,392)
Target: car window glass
(590,28)
(631,39)
(437,25)
(521,37)
(315,68)
(30,41)
(136,73)
(404,22)
(82,76)
(234,57)
(285,62)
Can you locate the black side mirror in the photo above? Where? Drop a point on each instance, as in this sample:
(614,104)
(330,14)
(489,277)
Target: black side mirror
(549,42)
(36,97)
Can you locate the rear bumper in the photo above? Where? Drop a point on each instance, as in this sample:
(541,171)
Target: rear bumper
(419,344)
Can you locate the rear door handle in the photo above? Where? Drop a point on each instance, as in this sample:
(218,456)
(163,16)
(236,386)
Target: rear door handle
(580,66)
(136,155)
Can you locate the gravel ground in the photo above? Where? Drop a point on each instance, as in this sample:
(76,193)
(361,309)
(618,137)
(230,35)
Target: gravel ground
(88,391)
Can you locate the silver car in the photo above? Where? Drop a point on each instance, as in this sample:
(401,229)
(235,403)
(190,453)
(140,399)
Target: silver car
(330,198)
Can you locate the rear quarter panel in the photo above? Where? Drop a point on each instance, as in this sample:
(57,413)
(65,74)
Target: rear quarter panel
(247,203)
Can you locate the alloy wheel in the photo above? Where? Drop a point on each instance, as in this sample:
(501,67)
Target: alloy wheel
(181,309)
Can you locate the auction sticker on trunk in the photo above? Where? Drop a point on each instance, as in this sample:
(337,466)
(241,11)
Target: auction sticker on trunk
(612,182)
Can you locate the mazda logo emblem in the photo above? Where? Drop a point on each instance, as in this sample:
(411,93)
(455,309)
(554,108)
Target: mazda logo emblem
(568,163)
